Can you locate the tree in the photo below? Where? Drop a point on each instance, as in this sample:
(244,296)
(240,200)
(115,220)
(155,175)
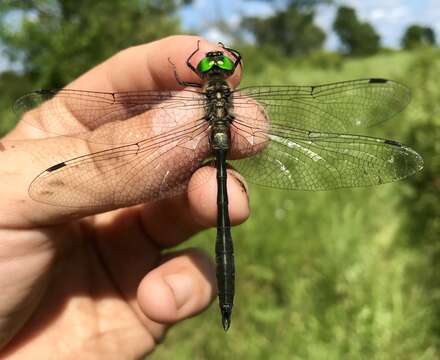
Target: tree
(291,30)
(416,35)
(57,40)
(357,38)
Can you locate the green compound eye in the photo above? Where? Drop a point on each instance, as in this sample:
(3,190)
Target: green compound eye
(226,64)
(205,65)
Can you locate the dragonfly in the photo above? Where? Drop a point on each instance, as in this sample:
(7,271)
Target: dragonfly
(291,137)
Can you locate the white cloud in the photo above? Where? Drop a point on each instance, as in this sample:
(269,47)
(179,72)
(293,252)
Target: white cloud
(215,35)
(377,14)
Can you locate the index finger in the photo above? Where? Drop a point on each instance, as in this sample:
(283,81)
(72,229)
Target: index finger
(146,67)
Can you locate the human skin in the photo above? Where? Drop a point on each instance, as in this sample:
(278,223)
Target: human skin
(78,284)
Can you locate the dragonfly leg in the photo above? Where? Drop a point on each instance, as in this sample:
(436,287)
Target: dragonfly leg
(188,61)
(235,53)
(179,80)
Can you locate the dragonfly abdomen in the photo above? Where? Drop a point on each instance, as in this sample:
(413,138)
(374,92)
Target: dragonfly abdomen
(224,249)
(218,114)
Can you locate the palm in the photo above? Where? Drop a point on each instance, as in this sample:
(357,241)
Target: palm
(90,297)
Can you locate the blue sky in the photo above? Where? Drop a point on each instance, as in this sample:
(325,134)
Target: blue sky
(389,17)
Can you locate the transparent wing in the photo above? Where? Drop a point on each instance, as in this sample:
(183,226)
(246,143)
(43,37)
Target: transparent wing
(76,112)
(304,160)
(337,107)
(155,168)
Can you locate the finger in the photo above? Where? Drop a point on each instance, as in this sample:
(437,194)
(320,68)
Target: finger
(181,287)
(172,221)
(147,66)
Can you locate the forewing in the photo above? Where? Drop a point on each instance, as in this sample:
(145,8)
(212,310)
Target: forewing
(77,112)
(337,107)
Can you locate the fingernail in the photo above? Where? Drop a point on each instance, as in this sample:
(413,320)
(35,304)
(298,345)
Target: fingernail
(237,176)
(181,286)
(243,186)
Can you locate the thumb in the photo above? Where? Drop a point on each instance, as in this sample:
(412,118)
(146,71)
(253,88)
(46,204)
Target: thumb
(180,287)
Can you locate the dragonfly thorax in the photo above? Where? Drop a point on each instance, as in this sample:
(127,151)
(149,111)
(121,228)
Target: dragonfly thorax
(216,83)
(217,92)
(218,111)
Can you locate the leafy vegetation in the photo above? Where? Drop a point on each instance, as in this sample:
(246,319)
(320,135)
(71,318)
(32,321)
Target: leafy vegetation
(357,38)
(291,30)
(56,41)
(416,35)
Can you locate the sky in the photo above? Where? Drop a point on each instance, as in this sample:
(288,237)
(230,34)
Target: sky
(389,17)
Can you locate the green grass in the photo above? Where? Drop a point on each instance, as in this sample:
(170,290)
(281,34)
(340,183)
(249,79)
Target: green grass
(351,274)
(326,275)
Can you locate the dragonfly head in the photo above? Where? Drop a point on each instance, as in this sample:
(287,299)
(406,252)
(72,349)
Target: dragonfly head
(216,62)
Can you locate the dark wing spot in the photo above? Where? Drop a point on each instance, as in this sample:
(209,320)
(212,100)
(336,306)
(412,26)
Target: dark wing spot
(377,81)
(2,147)
(393,142)
(56,167)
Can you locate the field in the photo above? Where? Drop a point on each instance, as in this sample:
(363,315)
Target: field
(343,274)
(350,274)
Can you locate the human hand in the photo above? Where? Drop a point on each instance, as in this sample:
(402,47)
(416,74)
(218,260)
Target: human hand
(78,284)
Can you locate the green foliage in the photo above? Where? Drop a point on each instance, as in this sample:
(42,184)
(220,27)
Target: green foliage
(12,86)
(416,35)
(57,40)
(302,4)
(358,38)
(292,31)
(257,59)
(325,60)
(421,228)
